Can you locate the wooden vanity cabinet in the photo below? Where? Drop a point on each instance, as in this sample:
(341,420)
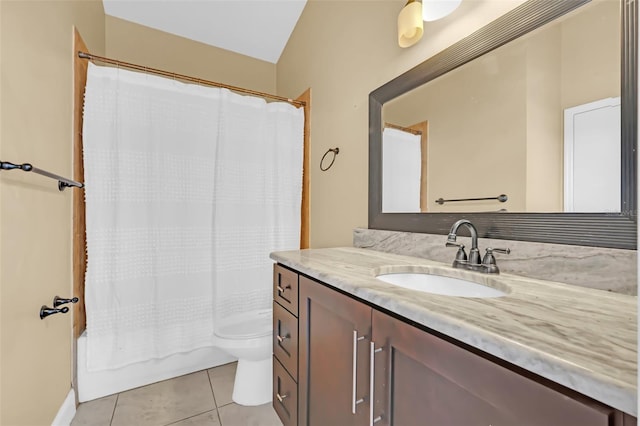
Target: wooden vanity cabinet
(285,344)
(418,378)
(334,365)
(421,379)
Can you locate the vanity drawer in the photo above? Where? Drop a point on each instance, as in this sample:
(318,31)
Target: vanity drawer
(285,288)
(285,339)
(285,395)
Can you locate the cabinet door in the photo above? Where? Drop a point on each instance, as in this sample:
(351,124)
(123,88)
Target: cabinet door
(334,334)
(423,380)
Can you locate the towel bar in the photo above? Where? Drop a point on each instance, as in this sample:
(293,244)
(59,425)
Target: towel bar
(502,198)
(62,182)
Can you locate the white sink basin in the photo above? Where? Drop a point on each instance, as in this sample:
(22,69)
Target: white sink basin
(437,284)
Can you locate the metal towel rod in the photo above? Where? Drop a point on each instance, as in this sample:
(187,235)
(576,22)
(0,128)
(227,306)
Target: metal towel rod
(62,181)
(502,198)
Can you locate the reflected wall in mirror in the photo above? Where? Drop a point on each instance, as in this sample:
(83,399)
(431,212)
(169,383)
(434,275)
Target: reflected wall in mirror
(537,119)
(514,144)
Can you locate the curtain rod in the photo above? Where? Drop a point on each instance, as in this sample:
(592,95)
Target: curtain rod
(85,55)
(404,129)
(62,182)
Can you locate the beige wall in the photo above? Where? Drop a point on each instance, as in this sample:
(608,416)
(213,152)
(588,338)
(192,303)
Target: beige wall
(576,63)
(344,50)
(35,219)
(586,54)
(544,155)
(477,131)
(580,68)
(142,45)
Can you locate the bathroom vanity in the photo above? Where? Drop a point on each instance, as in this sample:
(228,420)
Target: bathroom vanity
(545,353)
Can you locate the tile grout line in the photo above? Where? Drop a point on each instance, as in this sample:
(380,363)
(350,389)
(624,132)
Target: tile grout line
(187,418)
(215,402)
(113,413)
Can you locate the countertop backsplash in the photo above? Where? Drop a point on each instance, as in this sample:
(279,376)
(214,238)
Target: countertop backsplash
(594,267)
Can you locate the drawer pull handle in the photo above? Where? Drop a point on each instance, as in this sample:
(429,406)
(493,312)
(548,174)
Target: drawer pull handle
(281,397)
(282,290)
(355,402)
(282,338)
(371,384)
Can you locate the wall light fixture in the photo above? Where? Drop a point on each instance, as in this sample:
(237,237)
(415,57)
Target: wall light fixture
(410,25)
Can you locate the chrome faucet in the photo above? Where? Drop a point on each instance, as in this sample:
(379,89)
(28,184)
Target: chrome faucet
(474,254)
(488,264)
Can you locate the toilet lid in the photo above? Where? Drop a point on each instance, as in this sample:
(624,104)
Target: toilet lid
(246,325)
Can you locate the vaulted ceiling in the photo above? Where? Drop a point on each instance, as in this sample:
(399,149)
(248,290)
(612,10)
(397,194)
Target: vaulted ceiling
(255,28)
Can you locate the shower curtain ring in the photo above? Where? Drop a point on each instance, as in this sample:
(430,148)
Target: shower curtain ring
(335,151)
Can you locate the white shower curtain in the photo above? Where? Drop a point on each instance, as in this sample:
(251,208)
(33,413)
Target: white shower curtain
(152,211)
(401,171)
(258,187)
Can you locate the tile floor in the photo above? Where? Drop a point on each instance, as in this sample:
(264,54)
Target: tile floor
(198,399)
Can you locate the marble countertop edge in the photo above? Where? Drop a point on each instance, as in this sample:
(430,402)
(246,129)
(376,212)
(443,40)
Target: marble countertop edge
(599,387)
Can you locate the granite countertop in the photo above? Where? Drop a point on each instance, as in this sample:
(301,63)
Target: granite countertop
(582,338)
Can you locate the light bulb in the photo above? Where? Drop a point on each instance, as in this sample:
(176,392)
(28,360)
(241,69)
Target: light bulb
(437,9)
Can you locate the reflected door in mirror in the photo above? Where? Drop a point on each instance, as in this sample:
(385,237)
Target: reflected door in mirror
(592,157)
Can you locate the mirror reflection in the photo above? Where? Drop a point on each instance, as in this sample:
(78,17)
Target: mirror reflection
(533,126)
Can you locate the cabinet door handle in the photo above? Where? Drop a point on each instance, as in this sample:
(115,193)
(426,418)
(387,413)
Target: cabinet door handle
(278,396)
(279,335)
(282,290)
(355,402)
(372,365)
(282,338)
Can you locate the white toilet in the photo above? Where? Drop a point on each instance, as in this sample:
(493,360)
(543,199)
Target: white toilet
(248,336)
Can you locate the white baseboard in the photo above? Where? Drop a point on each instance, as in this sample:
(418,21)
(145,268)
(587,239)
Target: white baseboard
(67,411)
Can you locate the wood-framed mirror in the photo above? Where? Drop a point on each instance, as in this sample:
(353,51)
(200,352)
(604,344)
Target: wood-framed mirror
(599,228)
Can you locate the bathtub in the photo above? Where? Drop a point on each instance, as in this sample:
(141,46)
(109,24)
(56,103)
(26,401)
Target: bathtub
(96,384)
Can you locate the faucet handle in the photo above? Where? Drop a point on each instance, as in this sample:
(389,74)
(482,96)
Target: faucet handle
(498,250)
(461,254)
(488,258)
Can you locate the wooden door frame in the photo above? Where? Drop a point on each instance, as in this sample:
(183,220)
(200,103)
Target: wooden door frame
(306,205)
(80,67)
(79,261)
(423,128)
